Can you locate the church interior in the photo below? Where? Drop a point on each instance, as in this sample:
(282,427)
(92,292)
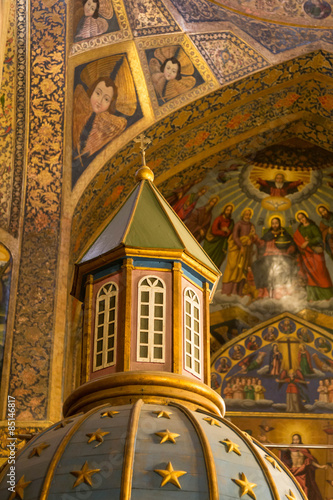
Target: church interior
(229,104)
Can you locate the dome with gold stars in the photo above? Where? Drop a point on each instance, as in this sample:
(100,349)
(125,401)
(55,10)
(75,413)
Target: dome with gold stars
(144,424)
(142,451)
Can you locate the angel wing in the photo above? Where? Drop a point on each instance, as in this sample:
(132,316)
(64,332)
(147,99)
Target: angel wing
(127,100)
(81,113)
(106,127)
(177,87)
(163,53)
(185,62)
(106,9)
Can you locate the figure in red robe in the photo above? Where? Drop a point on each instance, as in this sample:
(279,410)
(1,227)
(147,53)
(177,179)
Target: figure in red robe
(302,464)
(278,187)
(185,206)
(311,259)
(199,220)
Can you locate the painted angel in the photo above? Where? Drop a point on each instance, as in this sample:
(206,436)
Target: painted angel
(95,123)
(171,71)
(93,16)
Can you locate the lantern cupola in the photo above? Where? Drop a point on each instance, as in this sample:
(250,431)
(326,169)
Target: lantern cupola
(146,285)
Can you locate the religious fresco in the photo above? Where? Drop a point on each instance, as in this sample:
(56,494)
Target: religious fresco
(283,366)
(95,23)
(105,104)
(269,230)
(5,279)
(304,445)
(174,72)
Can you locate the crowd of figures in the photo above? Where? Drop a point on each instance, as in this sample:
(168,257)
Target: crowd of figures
(274,264)
(244,388)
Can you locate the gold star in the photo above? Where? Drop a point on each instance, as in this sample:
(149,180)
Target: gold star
(19,489)
(62,424)
(97,436)
(84,475)
(170,475)
(273,462)
(245,485)
(291,495)
(231,446)
(162,414)
(167,436)
(38,450)
(109,414)
(212,421)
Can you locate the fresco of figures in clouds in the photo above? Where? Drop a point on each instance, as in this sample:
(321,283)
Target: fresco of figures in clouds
(269,227)
(285,366)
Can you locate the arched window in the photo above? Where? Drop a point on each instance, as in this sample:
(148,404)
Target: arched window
(151,320)
(192,332)
(106,326)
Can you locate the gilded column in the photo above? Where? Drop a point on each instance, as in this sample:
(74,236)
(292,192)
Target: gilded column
(127,314)
(177,318)
(87,327)
(206,334)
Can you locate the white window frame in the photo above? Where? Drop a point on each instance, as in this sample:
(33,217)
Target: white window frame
(149,318)
(106,292)
(192,338)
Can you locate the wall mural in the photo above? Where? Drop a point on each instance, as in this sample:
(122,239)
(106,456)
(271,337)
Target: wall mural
(303,445)
(105,104)
(284,366)
(267,223)
(5,278)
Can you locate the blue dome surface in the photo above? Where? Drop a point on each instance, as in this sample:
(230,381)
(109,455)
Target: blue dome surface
(144,451)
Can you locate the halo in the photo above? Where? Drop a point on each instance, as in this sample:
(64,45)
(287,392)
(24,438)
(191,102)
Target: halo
(301,212)
(216,197)
(321,205)
(247,208)
(275,217)
(228,205)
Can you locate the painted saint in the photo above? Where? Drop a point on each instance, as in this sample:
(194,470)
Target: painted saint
(186,204)
(239,254)
(216,240)
(279,186)
(199,220)
(326,228)
(311,259)
(303,465)
(275,267)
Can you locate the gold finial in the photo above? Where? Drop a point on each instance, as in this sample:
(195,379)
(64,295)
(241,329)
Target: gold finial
(144,172)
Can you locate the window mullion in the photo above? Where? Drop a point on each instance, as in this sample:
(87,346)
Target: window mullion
(151,325)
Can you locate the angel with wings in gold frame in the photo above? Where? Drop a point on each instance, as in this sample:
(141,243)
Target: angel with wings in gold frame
(103,104)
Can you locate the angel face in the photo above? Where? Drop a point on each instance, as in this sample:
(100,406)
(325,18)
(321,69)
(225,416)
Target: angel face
(90,8)
(170,70)
(101,98)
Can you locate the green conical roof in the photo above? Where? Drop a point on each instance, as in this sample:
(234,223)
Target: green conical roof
(146,220)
